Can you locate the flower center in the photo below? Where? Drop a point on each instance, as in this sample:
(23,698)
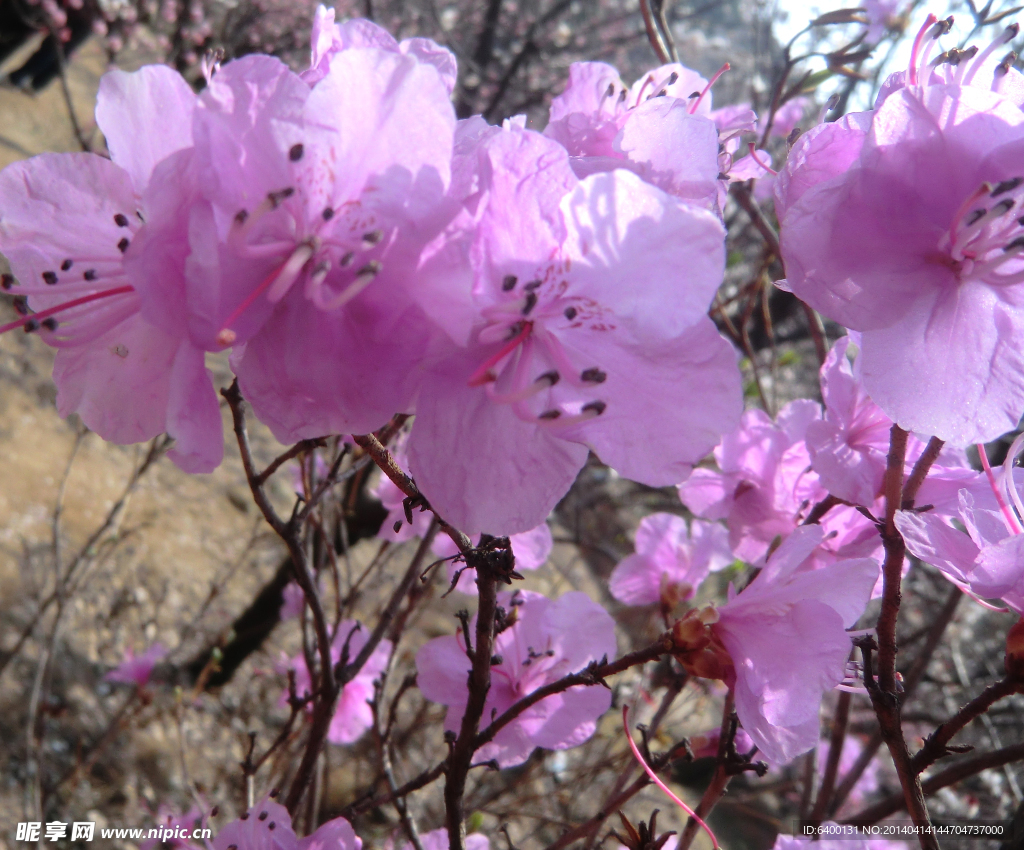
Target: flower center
(986,238)
(523,331)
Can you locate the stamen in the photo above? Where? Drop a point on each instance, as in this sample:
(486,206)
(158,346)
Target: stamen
(1004,67)
(372,238)
(6,281)
(596,407)
(49,278)
(276,198)
(121,220)
(1006,479)
(1006,186)
(50,324)
(347,258)
(66,265)
(122,246)
(295,154)
(915,52)
(551,378)
(593,376)
(549,415)
(532,285)
(707,88)
(22,307)
(484,373)
(570,313)
(757,159)
(289,272)
(531,302)
(508,283)
(30,326)
(89,274)
(364,277)
(327,214)
(241,216)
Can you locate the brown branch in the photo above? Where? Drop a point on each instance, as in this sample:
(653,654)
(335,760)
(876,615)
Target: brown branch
(920,471)
(741,192)
(721,777)
(294,451)
(935,745)
(369,803)
(835,750)
(962,770)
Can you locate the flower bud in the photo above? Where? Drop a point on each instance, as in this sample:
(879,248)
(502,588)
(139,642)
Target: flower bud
(1015,651)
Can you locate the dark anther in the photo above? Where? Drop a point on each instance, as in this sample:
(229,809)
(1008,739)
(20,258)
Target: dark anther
(693,95)
(241,216)
(49,278)
(570,313)
(551,377)
(622,96)
(974,216)
(347,259)
(232,847)
(593,376)
(121,220)
(275,198)
(611,90)
(373,237)
(1007,63)
(508,283)
(274,792)
(532,285)
(245,816)
(295,153)
(1012,31)
(31,326)
(122,246)
(272,825)
(66,265)
(264,815)
(1016,243)
(672,78)
(20,305)
(943,27)
(955,55)
(1003,207)
(89,274)
(662,93)
(597,406)
(214,811)
(531,302)
(328,213)
(1006,186)
(550,414)
(496,659)
(371,268)
(6,281)
(397,526)
(50,323)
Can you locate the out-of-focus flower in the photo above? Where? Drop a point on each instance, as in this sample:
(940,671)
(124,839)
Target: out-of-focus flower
(549,639)
(268,826)
(670,561)
(137,669)
(352,716)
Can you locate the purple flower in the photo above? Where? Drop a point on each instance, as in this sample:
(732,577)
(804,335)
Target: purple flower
(69,228)
(352,716)
(437,839)
(660,127)
(268,826)
(137,669)
(670,560)
(549,639)
(315,204)
(786,636)
(909,233)
(576,312)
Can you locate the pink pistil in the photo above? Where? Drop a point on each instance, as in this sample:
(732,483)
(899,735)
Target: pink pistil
(484,375)
(916,51)
(757,159)
(707,88)
(1011,520)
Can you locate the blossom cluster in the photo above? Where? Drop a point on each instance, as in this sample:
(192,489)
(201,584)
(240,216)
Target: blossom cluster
(534,297)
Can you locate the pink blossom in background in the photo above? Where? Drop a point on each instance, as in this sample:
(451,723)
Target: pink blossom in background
(915,242)
(68,229)
(799,842)
(868,782)
(671,560)
(137,669)
(268,826)
(786,636)
(353,716)
(655,128)
(306,261)
(165,817)
(549,639)
(882,16)
(576,312)
(437,839)
(705,745)
(329,38)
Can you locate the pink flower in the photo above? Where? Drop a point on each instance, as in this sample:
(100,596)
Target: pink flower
(799,842)
(437,839)
(911,236)
(705,745)
(576,316)
(986,561)
(659,127)
(670,561)
(69,228)
(329,38)
(868,782)
(549,639)
(316,202)
(786,636)
(268,826)
(137,669)
(353,716)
